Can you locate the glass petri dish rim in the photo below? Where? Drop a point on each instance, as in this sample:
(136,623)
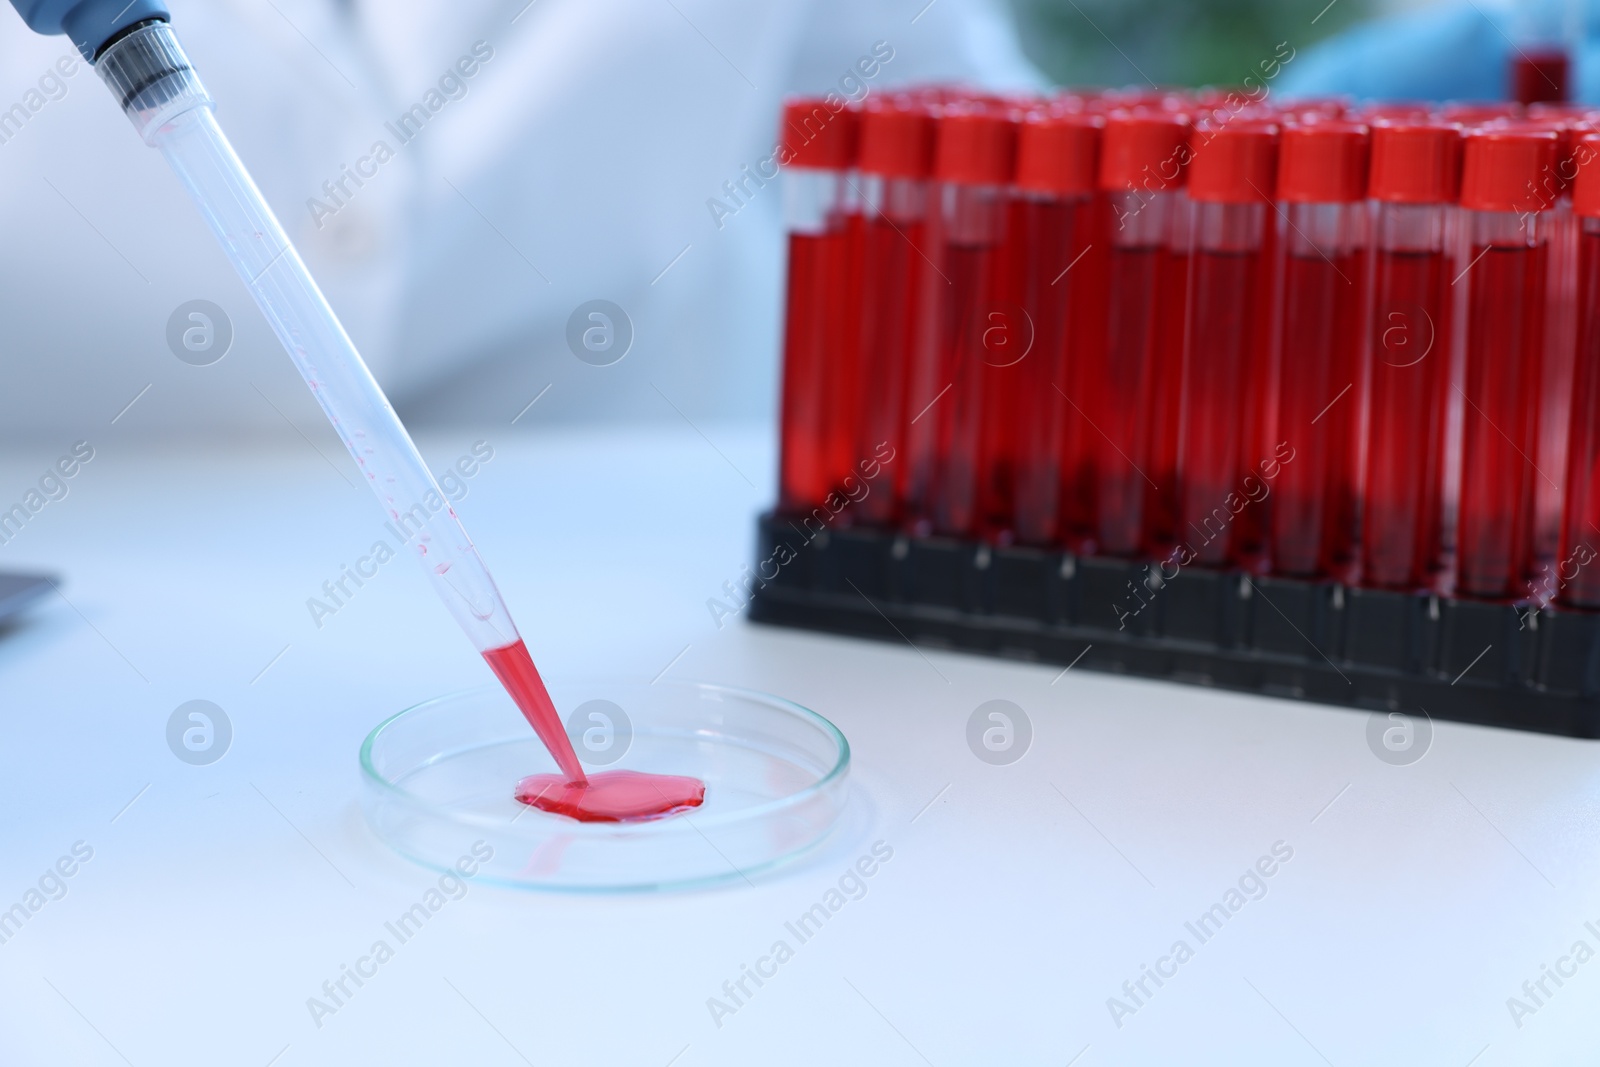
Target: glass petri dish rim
(840,767)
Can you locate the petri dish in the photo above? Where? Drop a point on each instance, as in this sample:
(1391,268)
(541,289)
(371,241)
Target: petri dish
(438,779)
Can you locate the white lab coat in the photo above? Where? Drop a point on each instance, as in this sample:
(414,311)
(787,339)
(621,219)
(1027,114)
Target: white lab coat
(577,165)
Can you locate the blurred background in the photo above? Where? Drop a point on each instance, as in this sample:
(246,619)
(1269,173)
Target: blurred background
(1174,43)
(584,160)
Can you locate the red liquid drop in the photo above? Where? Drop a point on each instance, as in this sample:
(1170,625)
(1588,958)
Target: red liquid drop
(514,667)
(612,796)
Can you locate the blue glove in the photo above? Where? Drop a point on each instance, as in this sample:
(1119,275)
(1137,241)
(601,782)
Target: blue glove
(1447,51)
(90,23)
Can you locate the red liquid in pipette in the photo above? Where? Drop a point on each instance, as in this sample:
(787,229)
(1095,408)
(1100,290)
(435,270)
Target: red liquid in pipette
(612,796)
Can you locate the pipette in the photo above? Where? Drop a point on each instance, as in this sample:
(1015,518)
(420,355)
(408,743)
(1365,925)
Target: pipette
(145,67)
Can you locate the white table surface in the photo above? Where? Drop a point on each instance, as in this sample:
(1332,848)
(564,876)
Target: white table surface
(1417,901)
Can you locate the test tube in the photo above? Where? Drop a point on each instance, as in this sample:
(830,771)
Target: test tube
(1056,283)
(818,145)
(1578,572)
(1322,185)
(1503,215)
(1560,342)
(1414,177)
(1124,434)
(895,160)
(1541,34)
(974,158)
(1229,393)
(842,348)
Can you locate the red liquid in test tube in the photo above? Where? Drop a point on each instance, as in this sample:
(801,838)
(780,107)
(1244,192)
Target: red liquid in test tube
(1122,430)
(1578,570)
(843,376)
(1503,215)
(1415,172)
(1315,513)
(1053,277)
(896,157)
(818,348)
(1539,74)
(975,155)
(1228,395)
(1560,342)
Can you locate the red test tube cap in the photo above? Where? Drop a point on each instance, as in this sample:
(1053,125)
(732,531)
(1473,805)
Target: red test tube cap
(975,145)
(1394,111)
(896,141)
(1317,108)
(1508,168)
(1234,164)
(1567,131)
(1144,150)
(1586,186)
(1574,112)
(1415,162)
(817,137)
(1059,153)
(1481,112)
(1323,163)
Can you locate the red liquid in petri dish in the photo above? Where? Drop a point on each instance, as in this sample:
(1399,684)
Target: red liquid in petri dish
(610,796)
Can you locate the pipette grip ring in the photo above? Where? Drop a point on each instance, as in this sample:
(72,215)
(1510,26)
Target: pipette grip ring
(150,74)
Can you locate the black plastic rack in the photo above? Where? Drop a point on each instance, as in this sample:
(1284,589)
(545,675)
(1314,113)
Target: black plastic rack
(1457,659)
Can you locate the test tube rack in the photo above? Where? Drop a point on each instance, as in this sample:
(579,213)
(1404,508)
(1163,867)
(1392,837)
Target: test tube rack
(1464,660)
